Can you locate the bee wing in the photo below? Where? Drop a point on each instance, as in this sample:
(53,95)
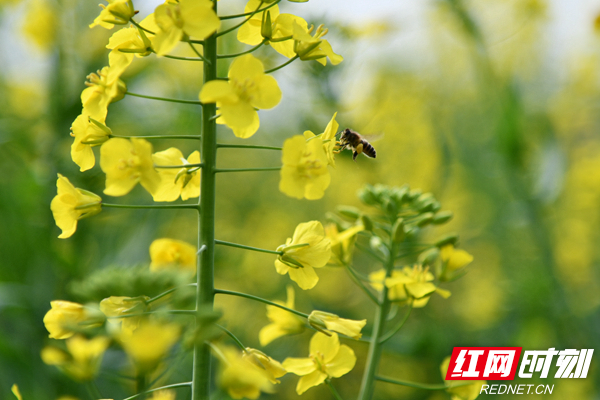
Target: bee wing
(373,137)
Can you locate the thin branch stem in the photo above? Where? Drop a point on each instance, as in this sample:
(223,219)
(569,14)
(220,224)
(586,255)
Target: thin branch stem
(184,58)
(198,53)
(156,137)
(246,146)
(247,169)
(395,330)
(361,285)
(241,23)
(249,13)
(173,386)
(251,50)
(200,165)
(333,391)
(231,335)
(143,96)
(291,60)
(154,206)
(168,292)
(256,298)
(241,246)
(425,386)
(141,27)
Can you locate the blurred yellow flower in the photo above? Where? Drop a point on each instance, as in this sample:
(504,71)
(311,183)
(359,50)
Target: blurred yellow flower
(241,377)
(309,47)
(118,12)
(273,368)
(72,204)
(163,395)
(328,359)
(40,24)
(149,343)
(282,322)
(248,88)
(103,88)
(63,317)
(171,253)
(304,173)
(127,162)
(342,243)
(250,32)
(463,392)
(184,182)
(120,306)
(307,249)
(82,359)
(454,259)
(131,39)
(409,284)
(195,18)
(326,321)
(15,390)
(328,138)
(87,133)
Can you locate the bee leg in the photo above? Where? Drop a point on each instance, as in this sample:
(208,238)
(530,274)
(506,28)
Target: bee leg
(354,156)
(357,151)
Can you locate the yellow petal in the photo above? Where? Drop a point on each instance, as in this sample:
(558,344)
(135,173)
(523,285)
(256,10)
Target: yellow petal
(216,90)
(246,67)
(267,93)
(299,366)
(269,333)
(310,380)
(342,362)
(199,18)
(328,346)
(305,277)
(420,289)
(238,115)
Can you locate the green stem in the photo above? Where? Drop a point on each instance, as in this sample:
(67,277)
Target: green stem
(246,146)
(251,50)
(392,332)
(360,284)
(241,246)
(249,13)
(198,53)
(291,60)
(374,354)
(143,96)
(153,206)
(166,293)
(179,166)
(201,371)
(333,391)
(247,169)
(241,23)
(174,312)
(231,335)
(141,27)
(184,58)
(153,137)
(425,386)
(173,386)
(271,303)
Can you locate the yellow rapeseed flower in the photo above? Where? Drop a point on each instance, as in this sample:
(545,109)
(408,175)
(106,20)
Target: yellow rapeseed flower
(72,204)
(304,173)
(127,162)
(170,253)
(163,395)
(328,138)
(194,18)
(327,359)
(342,243)
(409,284)
(241,377)
(87,133)
(462,391)
(40,24)
(149,343)
(121,306)
(103,87)
(324,321)
(309,47)
(454,259)
(184,182)
(282,322)
(131,39)
(248,88)
(272,368)
(63,318)
(307,249)
(117,12)
(82,359)
(250,32)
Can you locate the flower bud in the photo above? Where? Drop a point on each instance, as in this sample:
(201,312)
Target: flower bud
(450,238)
(398,233)
(414,194)
(425,219)
(366,222)
(442,217)
(326,321)
(428,257)
(266,27)
(351,213)
(272,368)
(367,196)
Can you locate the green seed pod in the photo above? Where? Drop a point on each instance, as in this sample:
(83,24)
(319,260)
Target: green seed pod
(367,196)
(442,217)
(348,212)
(436,206)
(425,219)
(366,222)
(427,205)
(398,231)
(428,257)
(451,238)
(414,194)
(400,194)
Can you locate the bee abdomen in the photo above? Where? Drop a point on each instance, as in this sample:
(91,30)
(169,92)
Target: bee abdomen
(368,149)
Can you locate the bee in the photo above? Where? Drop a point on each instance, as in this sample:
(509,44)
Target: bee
(350,139)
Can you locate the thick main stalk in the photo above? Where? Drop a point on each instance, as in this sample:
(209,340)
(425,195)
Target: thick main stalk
(201,375)
(368,382)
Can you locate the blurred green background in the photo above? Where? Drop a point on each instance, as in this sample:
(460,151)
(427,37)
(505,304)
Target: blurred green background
(483,116)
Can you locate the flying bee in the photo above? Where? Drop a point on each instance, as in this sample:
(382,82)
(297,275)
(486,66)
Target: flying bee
(350,139)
